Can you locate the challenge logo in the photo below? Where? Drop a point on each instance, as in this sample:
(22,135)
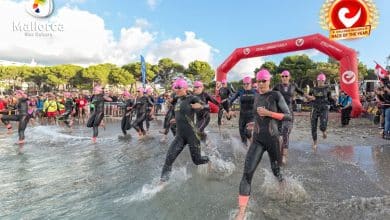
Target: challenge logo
(348,19)
(40,8)
(348,77)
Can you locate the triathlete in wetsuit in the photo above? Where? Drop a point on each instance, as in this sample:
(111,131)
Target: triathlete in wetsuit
(127,113)
(287,90)
(320,95)
(140,107)
(203,116)
(21,116)
(97,116)
(247,97)
(265,136)
(150,108)
(224,93)
(186,129)
(69,106)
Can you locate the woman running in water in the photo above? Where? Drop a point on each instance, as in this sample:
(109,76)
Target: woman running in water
(97,116)
(21,116)
(140,107)
(203,116)
(169,123)
(247,97)
(127,113)
(320,95)
(287,90)
(224,92)
(186,129)
(150,108)
(69,107)
(267,104)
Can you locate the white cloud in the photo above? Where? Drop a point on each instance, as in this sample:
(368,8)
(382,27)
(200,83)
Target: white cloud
(182,51)
(86,41)
(142,23)
(152,3)
(244,68)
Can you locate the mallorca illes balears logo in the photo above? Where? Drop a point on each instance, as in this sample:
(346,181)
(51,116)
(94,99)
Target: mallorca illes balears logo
(39,26)
(40,8)
(349,19)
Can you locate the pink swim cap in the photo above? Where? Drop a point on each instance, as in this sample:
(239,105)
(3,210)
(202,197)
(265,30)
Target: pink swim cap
(140,89)
(321,77)
(198,84)
(149,90)
(21,93)
(97,89)
(247,79)
(126,93)
(67,94)
(263,74)
(181,83)
(285,73)
(254,85)
(224,81)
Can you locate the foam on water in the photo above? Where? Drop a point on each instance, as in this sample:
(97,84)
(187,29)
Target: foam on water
(290,191)
(219,168)
(148,191)
(357,208)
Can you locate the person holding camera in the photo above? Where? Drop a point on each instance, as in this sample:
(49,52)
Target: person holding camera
(345,104)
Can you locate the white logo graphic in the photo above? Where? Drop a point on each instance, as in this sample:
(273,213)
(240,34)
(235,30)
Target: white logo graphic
(40,9)
(348,22)
(299,42)
(246,51)
(348,77)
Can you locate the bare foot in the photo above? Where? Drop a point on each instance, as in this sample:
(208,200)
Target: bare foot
(94,140)
(324,135)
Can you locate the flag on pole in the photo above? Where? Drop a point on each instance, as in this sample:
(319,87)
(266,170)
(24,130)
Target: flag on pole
(143,71)
(380,71)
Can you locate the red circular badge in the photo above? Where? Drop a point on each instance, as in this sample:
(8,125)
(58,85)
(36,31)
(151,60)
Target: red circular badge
(348,14)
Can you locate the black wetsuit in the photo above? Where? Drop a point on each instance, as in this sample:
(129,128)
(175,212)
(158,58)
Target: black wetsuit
(140,107)
(169,116)
(148,111)
(203,116)
(265,138)
(224,93)
(319,109)
(69,105)
(127,116)
(98,113)
(287,92)
(21,116)
(247,98)
(186,134)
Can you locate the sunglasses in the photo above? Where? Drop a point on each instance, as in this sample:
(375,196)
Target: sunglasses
(261,81)
(177,87)
(284,76)
(245,84)
(196,87)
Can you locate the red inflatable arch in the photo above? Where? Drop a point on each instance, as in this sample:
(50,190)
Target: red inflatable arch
(346,56)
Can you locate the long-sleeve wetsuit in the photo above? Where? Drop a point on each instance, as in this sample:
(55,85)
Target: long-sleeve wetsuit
(98,113)
(247,98)
(285,127)
(203,116)
(265,138)
(319,109)
(21,116)
(186,134)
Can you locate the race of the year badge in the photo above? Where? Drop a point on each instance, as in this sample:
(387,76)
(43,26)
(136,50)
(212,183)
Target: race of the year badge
(348,19)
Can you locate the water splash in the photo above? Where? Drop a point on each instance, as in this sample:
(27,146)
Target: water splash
(148,191)
(290,191)
(218,168)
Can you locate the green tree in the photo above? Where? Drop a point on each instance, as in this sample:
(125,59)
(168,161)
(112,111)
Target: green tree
(200,70)
(120,76)
(299,67)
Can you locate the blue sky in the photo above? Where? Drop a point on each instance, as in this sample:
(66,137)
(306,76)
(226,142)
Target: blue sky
(222,26)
